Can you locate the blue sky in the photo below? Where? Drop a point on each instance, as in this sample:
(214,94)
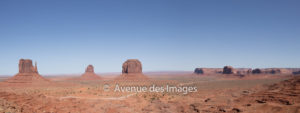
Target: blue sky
(64,36)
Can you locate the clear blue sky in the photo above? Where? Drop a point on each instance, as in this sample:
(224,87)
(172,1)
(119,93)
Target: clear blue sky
(64,36)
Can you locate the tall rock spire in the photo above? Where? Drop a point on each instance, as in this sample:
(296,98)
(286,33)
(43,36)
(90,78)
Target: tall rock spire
(35,67)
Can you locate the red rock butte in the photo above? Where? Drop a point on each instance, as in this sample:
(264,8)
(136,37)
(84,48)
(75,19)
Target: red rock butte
(132,70)
(27,73)
(90,74)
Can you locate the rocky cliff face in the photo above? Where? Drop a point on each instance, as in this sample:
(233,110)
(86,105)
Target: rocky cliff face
(25,66)
(272,71)
(132,66)
(132,70)
(27,73)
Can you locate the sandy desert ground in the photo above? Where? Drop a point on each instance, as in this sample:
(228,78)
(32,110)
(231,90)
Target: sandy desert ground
(149,56)
(215,94)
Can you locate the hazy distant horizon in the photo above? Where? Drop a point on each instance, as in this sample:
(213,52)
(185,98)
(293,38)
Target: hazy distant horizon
(64,37)
(145,72)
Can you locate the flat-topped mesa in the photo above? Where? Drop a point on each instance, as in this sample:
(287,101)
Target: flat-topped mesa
(272,71)
(199,71)
(90,74)
(132,66)
(27,73)
(25,66)
(132,70)
(228,70)
(208,71)
(246,71)
(283,71)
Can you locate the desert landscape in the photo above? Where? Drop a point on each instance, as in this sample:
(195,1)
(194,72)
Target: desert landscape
(149,56)
(218,90)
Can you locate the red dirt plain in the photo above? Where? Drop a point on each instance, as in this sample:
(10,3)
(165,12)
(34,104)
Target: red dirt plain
(215,93)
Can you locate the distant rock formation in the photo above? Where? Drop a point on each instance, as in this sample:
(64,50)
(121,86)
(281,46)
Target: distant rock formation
(132,66)
(296,72)
(132,70)
(199,71)
(25,66)
(270,71)
(208,71)
(90,74)
(257,71)
(90,69)
(27,73)
(246,71)
(228,70)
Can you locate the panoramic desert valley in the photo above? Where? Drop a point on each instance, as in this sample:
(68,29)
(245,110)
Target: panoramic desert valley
(206,90)
(149,56)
